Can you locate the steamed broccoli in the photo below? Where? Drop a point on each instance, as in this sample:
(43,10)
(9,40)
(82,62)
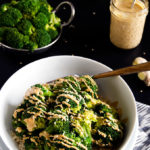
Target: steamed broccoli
(19,127)
(52,31)
(28,7)
(40,21)
(2,31)
(10,17)
(82,130)
(15,39)
(54,20)
(26,27)
(46,9)
(38,120)
(4,7)
(14,2)
(107,128)
(58,122)
(33,143)
(107,132)
(41,37)
(45,89)
(31,46)
(35,24)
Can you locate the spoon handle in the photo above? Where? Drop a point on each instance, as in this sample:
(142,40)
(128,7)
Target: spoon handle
(124,71)
(133,2)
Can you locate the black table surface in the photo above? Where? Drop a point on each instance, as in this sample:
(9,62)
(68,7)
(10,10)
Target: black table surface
(88,36)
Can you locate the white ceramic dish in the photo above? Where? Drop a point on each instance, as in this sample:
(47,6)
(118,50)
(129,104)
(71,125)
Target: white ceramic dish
(44,70)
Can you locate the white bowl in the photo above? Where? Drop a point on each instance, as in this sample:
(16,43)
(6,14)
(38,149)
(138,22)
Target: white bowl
(47,69)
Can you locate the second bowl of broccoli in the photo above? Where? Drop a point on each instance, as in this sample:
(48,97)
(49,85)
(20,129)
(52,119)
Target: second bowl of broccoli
(28,26)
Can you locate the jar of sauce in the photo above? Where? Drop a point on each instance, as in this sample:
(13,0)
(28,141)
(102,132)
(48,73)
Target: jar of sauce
(127,24)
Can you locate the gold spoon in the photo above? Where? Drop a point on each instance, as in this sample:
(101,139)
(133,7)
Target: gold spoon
(124,71)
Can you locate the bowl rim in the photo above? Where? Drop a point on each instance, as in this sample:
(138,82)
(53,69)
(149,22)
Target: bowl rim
(135,119)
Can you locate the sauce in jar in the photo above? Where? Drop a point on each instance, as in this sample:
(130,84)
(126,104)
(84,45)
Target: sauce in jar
(127,24)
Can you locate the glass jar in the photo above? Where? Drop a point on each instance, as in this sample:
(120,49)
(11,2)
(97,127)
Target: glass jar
(127,24)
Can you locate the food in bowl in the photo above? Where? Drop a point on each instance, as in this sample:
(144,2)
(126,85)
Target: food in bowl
(28,24)
(67,114)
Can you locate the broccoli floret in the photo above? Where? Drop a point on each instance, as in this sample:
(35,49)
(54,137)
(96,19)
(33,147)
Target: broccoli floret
(39,95)
(15,39)
(10,17)
(46,9)
(29,7)
(2,31)
(53,32)
(4,7)
(54,20)
(41,37)
(58,122)
(13,3)
(106,134)
(26,27)
(45,89)
(36,116)
(90,102)
(31,46)
(107,128)
(82,130)
(16,121)
(87,82)
(40,21)
(33,142)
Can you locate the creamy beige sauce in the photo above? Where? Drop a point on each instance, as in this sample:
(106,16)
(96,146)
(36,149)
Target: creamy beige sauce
(34,90)
(125,5)
(73,98)
(127,24)
(61,139)
(16,111)
(101,133)
(33,140)
(19,129)
(52,116)
(30,123)
(88,87)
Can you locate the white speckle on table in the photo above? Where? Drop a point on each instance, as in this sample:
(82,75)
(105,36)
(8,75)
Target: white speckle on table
(144,53)
(72,26)
(72,54)
(141,91)
(20,63)
(92,49)
(66,41)
(94,13)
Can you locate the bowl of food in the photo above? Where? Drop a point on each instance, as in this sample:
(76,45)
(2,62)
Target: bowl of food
(30,26)
(54,103)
